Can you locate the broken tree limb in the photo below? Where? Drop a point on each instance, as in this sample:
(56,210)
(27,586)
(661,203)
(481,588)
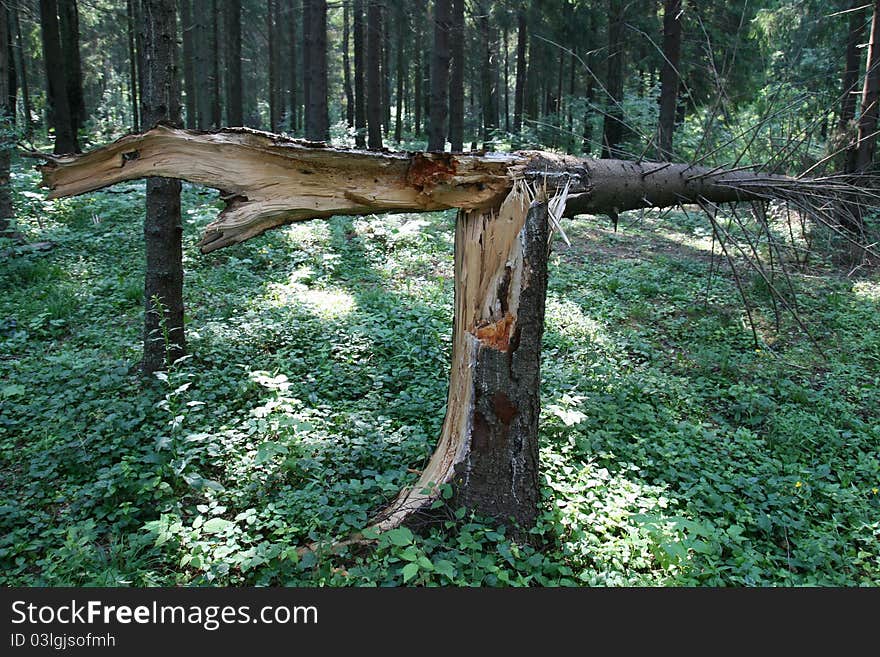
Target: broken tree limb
(268,180)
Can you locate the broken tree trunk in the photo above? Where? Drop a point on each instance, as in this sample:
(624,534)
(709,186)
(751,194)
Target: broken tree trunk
(488,445)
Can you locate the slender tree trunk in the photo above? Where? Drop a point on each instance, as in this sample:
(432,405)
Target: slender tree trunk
(373,75)
(308,47)
(295,113)
(870,94)
(216,107)
(164,340)
(132,68)
(360,113)
(386,69)
(669,77)
(571,79)
(417,77)
(402,30)
(69,26)
(56,84)
(189,80)
(234,104)
(488,76)
(613,124)
(317,119)
(506,80)
(7,141)
(520,89)
(272,37)
(456,78)
(346,69)
(439,76)
(852,63)
(22,71)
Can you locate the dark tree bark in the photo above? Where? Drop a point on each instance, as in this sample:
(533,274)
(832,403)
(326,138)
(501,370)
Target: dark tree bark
(346,69)
(870,95)
(360,114)
(202,66)
(164,340)
(56,83)
(234,105)
(308,46)
(7,142)
(295,114)
(373,75)
(669,77)
(386,69)
(505,79)
(852,63)
(216,107)
(400,69)
(418,76)
(488,75)
(189,80)
(613,125)
(439,76)
(272,36)
(456,78)
(522,33)
(68,17)
(21,67)
(132,67)
(317,119)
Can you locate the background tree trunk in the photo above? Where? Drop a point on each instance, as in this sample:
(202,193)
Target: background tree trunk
(456,78)
(418,75)
(56,82)
(439,76)
(613,125)
(272,37)
(870,95)
(295,114)
(234,105)
(22,70)
(317,119)
(346,69)
(132,67)
(164,340)
(216,106)
(7,141)
(360,114)
(401,70)
(385,68)
(69,26)
(852,63)
(520,89)
(189,79)
(488,75)
(669,77)
(373,75)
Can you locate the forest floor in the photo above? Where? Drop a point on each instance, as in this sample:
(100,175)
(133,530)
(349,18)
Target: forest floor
(674,452)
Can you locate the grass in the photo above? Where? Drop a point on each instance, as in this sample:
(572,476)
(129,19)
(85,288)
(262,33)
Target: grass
(673,451)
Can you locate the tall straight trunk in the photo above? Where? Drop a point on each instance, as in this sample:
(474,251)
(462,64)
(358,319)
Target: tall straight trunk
(68,17)
(7,112)
(531,85)
(202,64)
(232,38)
(189,79)
(506,79)
(852,63)
(870,95)
(613,125)
(308,46)
(522,33)
(132,67)
(360,112)
(164,340)
(418,75)
(386,69)
(317,118)
(456,78)
(439,76)
(272,37)
(571,78)
(216,107)
(295,114)
(488,75)
(22,70)
(56,83)
(400,70)
(373,76)
(669,77)
(346,69)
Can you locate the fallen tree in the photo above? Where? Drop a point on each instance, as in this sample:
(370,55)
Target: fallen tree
(507,204)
